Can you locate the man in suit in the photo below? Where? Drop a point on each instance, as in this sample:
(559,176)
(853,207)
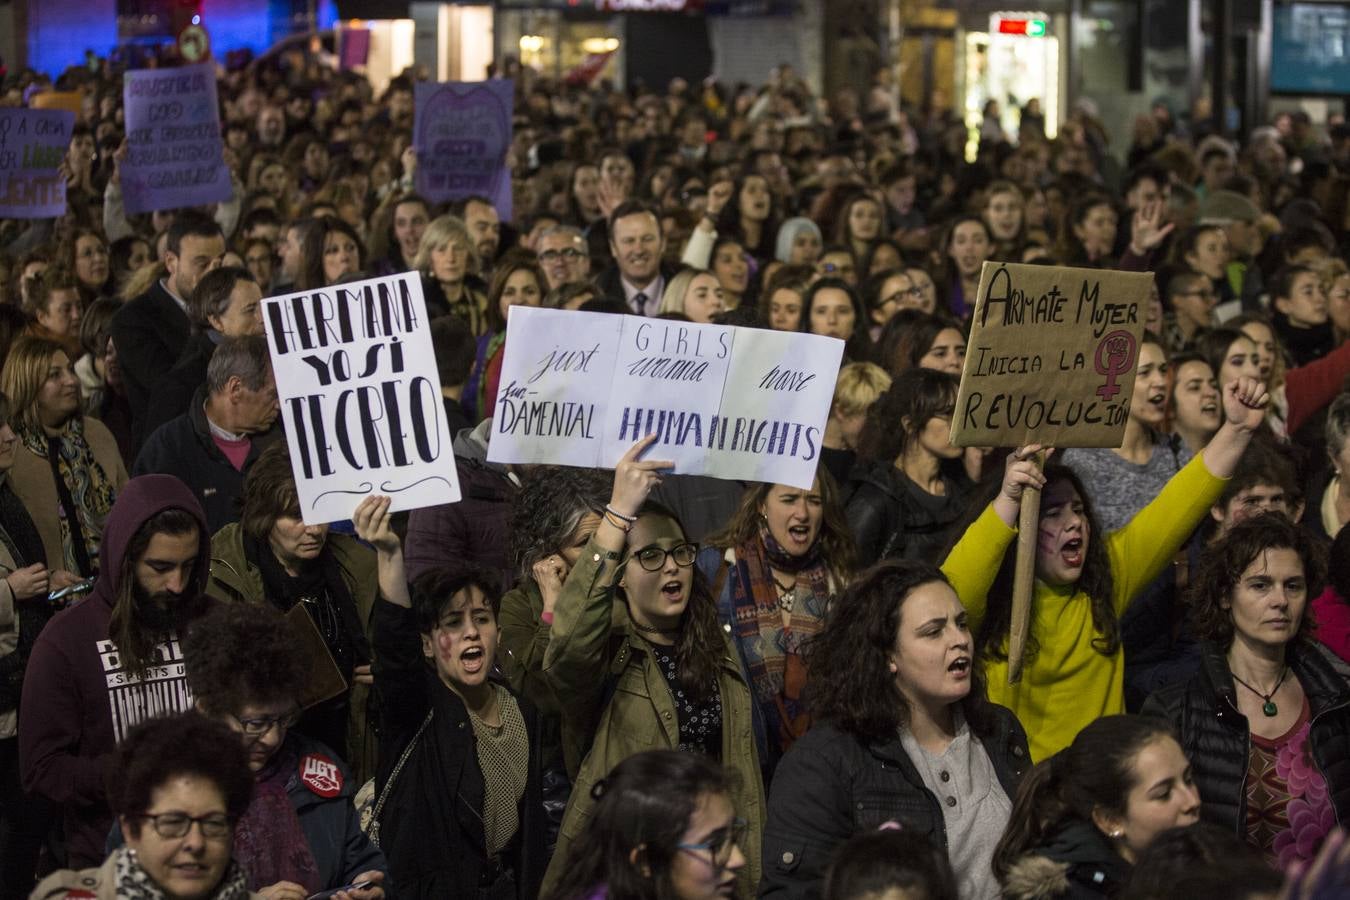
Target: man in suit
(151,330)
(637,279)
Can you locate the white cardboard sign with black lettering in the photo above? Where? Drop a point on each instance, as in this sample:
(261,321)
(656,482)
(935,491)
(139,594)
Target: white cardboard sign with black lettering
(360,396)
(579,389)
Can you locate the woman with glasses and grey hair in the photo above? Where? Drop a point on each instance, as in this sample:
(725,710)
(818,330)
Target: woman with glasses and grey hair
(665,678)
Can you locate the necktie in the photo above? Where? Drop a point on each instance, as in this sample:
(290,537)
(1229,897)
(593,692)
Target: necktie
(640,302)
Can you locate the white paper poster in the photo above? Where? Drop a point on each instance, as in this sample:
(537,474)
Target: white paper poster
(741,403)
(360,396)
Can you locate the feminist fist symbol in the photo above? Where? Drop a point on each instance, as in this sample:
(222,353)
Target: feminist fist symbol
(1115,355)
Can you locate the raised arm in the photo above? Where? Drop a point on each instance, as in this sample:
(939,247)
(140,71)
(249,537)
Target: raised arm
(1244,408)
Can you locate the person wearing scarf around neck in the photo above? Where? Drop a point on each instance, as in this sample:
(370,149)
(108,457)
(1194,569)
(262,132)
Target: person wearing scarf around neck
(68,469)
(170,772)
(774,570)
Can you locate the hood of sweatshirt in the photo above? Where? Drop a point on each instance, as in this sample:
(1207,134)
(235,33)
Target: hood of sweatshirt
(140,500)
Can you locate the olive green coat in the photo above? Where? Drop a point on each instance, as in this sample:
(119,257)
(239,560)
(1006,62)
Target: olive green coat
(235,579)
(586,662)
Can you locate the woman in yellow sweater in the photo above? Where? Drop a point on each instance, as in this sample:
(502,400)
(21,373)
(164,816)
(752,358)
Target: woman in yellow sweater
(1074,669)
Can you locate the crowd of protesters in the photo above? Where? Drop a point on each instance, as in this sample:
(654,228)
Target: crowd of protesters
(582,684)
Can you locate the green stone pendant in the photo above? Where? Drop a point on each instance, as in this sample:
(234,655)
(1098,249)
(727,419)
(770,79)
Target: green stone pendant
(1270,709)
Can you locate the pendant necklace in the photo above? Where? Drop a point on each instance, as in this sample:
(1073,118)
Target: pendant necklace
(1269,707)
(787,594)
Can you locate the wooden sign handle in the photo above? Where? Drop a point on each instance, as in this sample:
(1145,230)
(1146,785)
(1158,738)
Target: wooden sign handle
(1024,576)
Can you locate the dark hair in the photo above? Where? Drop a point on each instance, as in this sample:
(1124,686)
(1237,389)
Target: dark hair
(211,297)
(858,347)
(269,492)
(166,747)
(242,654)
(548,508)
(119,256)
(907,337)
(435,589)
(513,262)
(1213,344)
(700,645)
(191,223)
(454,345)
(873,863)
(1338,566)
(311,273)
(96,325)
(1186,242)
(1071,250)
(1263,462)
(1096,580)
(630,208)
(1146,170)
(1222,565)
(917,395)
(1202,849)
(852,685)
(135,645)
(1282,282)
(645,805)
(1095,772)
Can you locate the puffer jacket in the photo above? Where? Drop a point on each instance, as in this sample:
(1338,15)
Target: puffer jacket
(887,522)
(1075,863)
(1217,738)
(475,532)
(832,785)
(616,702)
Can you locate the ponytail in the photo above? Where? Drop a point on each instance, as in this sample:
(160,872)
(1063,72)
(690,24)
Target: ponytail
(1037,812)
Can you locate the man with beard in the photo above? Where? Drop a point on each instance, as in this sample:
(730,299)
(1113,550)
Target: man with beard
(113,661)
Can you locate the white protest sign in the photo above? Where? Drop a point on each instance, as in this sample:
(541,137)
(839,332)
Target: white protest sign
(360,395)
(741,403)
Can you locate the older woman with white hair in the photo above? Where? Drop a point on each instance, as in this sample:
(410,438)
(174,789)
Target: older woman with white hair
(449,264)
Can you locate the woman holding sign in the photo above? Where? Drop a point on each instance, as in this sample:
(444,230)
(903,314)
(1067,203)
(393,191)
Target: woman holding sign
(667,678)
(1074,669)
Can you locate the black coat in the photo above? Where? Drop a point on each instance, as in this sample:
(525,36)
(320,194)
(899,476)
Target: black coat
(832,785)
(888,523)
(184,448)
(1216,736)
(1075,863)
(171,397)
(149,333)
(610,282)
(432,822)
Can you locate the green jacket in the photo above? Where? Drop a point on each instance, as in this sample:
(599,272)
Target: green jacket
(234,579)
(586,662)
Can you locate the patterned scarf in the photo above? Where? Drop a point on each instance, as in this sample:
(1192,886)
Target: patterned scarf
(83,484)
(134,883)
(268,840)
(773,652)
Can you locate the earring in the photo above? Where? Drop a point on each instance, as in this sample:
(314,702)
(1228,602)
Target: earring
(1117,833)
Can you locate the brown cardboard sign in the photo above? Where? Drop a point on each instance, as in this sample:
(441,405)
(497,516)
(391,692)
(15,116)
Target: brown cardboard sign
(1051,357)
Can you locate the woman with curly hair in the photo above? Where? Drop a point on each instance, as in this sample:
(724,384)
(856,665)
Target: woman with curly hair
(903,498)
(775,569)
(178,785)
(904,734)
(1266,720)
(1074,667)
(298,835)
(664,828)
(918,340)
(666,677)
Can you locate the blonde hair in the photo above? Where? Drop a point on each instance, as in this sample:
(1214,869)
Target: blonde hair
(672,298)
(24,374)
(440,232)
(858,387)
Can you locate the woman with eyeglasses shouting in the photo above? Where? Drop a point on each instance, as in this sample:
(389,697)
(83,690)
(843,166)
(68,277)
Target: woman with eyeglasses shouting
(178,785)
(300,833)
(666,678)
(664,826)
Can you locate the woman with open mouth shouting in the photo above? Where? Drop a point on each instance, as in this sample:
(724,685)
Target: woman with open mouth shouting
(776,567)
(459,809)
(1266,720)
(904,734)
(1085,580)
(668,678)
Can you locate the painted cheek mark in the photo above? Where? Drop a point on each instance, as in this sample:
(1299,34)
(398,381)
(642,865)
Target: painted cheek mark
(1046,541)
(445,642)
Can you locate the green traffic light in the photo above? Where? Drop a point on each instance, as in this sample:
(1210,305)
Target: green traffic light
(1036,28)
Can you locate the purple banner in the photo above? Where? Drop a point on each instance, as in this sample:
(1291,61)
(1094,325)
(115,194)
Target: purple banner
(33,143)
(175,154)
(462,132)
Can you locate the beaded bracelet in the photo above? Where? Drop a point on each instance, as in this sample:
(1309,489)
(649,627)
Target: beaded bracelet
(628,519)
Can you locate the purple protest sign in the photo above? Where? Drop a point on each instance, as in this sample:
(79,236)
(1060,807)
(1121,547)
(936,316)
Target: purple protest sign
(32,144)
(175,156)
(462,132)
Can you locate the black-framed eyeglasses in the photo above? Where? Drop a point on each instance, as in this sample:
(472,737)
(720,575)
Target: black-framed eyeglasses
(257,726)
(568,253)
(177,824)
(653,558)
(721,842)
